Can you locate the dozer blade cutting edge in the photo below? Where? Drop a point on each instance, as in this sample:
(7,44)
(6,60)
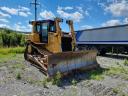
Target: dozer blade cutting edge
(65,62)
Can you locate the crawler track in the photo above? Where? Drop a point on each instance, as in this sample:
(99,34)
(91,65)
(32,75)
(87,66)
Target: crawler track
(38,57)
(50,63)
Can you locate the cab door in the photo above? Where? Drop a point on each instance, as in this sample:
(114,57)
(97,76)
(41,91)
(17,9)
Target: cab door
(44,33)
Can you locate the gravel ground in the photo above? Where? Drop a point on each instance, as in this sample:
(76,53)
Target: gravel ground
(28,83)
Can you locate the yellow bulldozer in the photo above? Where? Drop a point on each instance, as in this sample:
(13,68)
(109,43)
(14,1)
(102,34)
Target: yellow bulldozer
(53,50)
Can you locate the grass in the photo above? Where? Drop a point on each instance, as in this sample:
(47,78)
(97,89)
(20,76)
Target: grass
(43,82)
(15,50)
(118,90)
(74,82)
(10,54)
(117,70)
(56,80)
(97,74)
(32,81)
(126,62)
(6,59)
(120,70)
(18,75)
(115,90)
(18,66)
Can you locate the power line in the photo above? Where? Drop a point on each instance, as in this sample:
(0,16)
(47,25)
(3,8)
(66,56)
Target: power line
(35,5)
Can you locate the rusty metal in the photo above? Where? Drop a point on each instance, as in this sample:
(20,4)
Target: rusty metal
(67,61)
(63,62)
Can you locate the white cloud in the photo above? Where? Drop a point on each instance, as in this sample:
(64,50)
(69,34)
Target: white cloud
(4,20)
(76,16)
(10,10)
(4,15)
(125,21)
(24,11)
(23,14)
(21,11)
(111,23)
(101,4)
(4,26)
(86,27)
(47,14)
(24,8)
(80,9)
(20,27)
(68,8)
(118,8)
(86,13)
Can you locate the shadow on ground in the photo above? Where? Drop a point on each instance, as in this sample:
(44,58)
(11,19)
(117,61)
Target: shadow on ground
(79,76)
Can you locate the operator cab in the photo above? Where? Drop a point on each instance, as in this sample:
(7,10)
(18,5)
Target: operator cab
(42,28)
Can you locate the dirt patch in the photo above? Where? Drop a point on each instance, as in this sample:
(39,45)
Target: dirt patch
(19,78)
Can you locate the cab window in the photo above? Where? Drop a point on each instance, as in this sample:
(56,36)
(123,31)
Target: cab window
(45,29)
(44,33)
(37,28)
(52,27)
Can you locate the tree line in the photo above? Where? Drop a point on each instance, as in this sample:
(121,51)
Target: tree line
(9,38)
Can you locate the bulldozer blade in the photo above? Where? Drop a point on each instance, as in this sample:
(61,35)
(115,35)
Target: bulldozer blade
(65,62)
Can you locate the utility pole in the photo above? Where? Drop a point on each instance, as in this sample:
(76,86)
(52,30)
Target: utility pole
(35,5)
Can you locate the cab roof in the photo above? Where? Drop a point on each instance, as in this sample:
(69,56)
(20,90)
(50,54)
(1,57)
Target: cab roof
(40,21)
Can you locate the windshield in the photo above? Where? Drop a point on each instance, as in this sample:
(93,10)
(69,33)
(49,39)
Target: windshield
(46,26)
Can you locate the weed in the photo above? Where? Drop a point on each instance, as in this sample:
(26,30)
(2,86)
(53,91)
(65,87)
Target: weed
(118,63)
(2,63)
(56,80)
(126,62)
(44,82)
(114,71)
(115,90)
(31,81)
(74,82)
(38,82)
(96,74)
(119,70)
(18,76)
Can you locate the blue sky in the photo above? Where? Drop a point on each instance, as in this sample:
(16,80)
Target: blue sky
(15,14)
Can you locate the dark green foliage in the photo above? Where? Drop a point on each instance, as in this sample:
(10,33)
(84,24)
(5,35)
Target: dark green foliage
(18,76)
(9,38)
(56,80)
(126,62)
(74,82)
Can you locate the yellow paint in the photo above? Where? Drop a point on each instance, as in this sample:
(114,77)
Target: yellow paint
(54,38)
